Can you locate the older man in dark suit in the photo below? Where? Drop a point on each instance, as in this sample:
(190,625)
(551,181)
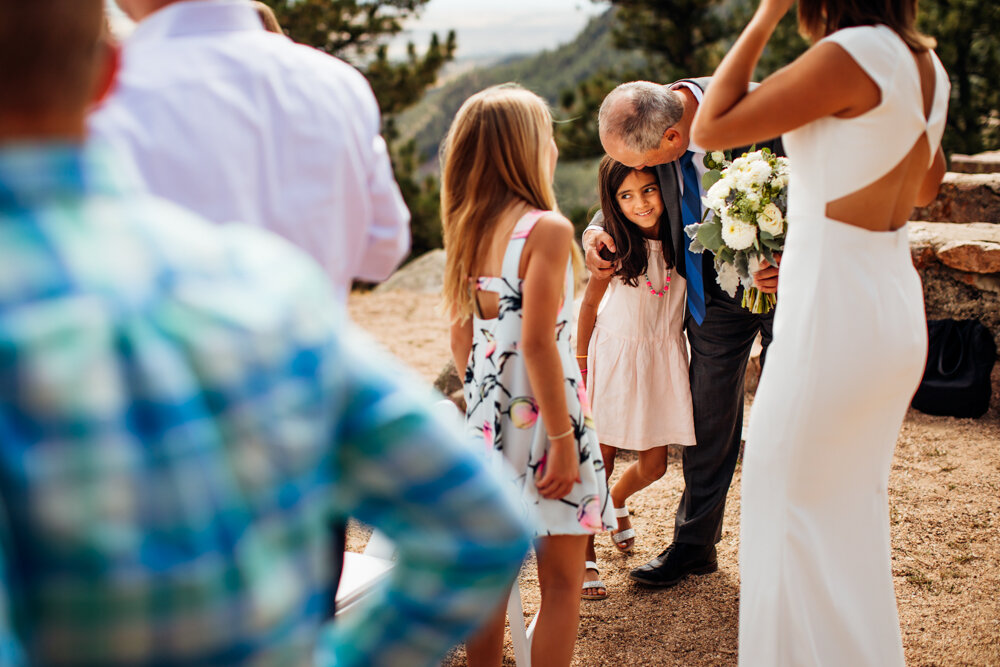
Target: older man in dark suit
(644,124)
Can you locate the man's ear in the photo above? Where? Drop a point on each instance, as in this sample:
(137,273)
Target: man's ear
(671,136)
(108,65)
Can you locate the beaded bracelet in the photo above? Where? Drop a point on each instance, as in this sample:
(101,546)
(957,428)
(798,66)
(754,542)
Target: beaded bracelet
(562,435)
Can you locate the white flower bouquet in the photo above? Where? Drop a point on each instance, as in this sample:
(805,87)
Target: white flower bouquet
(745,204)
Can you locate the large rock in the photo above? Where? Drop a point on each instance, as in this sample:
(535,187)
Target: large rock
(964,198)
(972,247)
(424,274)
(980,163)
(973,256)
(960,268)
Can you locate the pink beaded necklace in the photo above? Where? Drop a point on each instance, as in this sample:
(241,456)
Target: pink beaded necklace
(666,285)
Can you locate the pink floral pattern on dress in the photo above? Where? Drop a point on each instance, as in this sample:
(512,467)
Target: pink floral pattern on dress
(503,411)
(588,513)
(523,412)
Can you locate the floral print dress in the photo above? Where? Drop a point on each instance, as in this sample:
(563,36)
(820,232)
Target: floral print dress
(503,414)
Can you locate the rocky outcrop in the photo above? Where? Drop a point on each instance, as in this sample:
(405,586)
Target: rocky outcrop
(980,163)
(424,274)
(960,268)
(964,198)
(449,384)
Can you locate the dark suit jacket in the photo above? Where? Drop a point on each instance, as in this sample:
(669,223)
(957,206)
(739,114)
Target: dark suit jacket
(669,188)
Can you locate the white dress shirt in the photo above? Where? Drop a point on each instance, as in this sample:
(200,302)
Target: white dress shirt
(240,124)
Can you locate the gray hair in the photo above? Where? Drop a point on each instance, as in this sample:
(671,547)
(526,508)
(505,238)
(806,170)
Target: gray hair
(638,113)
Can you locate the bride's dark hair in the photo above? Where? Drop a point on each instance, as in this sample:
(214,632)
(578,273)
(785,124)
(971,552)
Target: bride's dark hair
(632,255)
(819,18)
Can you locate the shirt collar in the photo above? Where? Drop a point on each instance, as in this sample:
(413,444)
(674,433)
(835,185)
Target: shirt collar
(197,17)
(34,171)
(698,96)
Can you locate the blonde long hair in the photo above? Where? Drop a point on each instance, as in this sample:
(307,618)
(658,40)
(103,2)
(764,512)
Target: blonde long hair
(495,154)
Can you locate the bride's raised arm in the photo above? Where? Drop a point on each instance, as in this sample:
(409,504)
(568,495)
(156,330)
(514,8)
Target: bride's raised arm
(824,81)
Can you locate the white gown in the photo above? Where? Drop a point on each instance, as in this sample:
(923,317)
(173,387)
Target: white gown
(849,346)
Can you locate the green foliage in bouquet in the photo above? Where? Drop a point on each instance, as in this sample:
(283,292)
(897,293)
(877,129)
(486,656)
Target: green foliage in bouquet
(745,204)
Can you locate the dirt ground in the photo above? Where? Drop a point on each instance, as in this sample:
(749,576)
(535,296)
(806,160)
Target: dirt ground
(945,514)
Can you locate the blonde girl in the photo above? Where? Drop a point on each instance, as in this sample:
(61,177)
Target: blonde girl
(508,288)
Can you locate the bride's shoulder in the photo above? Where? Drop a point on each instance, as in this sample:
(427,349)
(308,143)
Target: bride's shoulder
(875,49)
(864,38)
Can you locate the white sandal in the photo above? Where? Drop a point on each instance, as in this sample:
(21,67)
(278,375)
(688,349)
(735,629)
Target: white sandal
(593,585)
(619,536)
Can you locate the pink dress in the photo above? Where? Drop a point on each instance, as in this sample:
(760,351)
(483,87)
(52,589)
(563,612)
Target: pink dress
(638,363)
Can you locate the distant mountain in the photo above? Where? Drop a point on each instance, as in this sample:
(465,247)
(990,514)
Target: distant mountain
(549,73)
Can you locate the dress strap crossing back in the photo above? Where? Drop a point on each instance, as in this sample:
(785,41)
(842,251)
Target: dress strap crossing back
(512,256)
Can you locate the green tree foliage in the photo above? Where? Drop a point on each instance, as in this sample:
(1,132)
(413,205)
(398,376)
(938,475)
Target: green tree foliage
(355,31)
(679,39)
(688,38)
(968,36)
(548,74)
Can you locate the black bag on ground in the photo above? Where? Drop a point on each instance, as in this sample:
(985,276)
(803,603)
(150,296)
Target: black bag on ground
(960,358)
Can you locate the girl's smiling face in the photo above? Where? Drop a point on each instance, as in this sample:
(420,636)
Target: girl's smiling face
(640,201)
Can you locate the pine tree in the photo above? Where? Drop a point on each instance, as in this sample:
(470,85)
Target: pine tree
(684,38)
(969,47)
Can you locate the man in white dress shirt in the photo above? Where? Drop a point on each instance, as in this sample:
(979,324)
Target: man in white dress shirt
(237,123)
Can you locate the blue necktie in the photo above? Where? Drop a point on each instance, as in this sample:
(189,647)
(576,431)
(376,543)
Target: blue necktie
(690,214)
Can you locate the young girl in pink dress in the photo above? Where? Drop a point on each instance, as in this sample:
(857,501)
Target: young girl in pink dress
(509,288)
(631,347)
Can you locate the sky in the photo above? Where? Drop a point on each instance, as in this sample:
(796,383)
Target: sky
(485,28)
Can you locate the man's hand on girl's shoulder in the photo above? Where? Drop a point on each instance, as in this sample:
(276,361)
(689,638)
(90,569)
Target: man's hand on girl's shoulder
(594,242)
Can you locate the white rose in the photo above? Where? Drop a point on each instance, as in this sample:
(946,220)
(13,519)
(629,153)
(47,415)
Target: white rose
(728,278)
(718,157)
(739,178)
(770,220)
(759,172)
(737,234)
(715,198)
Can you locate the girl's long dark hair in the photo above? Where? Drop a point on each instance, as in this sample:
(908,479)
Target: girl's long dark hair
(632,253)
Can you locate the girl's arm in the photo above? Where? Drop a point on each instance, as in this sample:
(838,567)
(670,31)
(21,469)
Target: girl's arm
(596,287)
(546,253)
(824,81)
(461,345)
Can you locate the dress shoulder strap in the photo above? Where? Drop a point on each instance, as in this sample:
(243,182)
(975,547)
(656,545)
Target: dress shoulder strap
(512,256)
(938,116)
(875,48)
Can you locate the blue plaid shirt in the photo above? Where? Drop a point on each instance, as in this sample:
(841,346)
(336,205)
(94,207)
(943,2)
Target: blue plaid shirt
(181,418)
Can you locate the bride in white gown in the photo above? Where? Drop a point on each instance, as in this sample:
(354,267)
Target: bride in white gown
(862,113)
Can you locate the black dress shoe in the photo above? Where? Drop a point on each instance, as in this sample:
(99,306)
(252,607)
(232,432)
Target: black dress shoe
(676,562)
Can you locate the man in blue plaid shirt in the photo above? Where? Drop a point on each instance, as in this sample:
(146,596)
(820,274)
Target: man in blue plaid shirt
(181,417)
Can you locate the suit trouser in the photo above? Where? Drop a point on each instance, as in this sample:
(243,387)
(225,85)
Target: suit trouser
(720,349)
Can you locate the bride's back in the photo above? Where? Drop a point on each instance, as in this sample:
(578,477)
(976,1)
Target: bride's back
(868,169)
